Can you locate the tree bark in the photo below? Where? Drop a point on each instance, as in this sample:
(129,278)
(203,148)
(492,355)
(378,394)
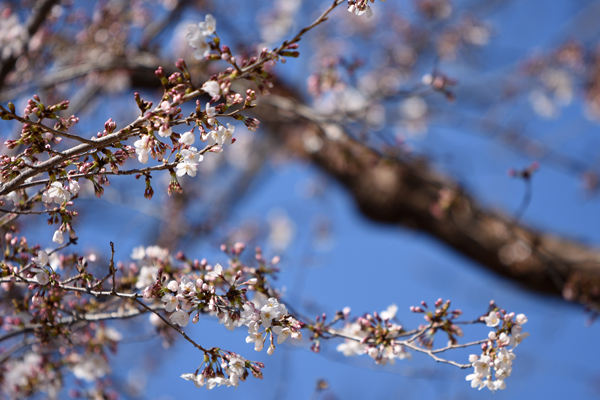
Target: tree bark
(409,192)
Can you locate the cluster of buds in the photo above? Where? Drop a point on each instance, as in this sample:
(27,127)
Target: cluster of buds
(439,319)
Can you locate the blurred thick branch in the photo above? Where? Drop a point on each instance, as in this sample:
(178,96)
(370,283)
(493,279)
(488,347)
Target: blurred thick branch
(405,191)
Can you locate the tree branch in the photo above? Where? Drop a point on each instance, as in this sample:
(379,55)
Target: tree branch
(404,190)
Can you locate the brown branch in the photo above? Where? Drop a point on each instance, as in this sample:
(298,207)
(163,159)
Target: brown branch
(404,190)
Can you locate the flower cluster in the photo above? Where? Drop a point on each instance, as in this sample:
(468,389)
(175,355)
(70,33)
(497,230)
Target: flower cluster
(273,317)
(496,359)
(375,335)
(233,365)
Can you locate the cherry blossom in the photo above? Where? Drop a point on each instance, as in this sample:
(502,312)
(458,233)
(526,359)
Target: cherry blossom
(58,236)
(210,113)
(171,302)
(222,135)
(180,318)
(41,259)
(187,138)
(212,88)
(74,187)
(165,131)
(282,333)
(197,379)
(197,41)
(147,276)
(492,319)
(191,155)
(217,271)
(57,193)
(173,286)
(42,277)
(187,168)
(209,26)
(142,148)
(254,336)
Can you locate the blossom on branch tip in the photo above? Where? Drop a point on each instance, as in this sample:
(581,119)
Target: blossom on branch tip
(492,319)
(173,286)
(142,148)
(197,379)
(165,131)
(180,318)
(521,319)
(42,277)
(191,155)
(187,138)
(216,272)
(171,302)
(212,88)
(186,168)
(197,41)
(74,187)
(57,193)
(360,7)
(41,259)
(389,313)
(209,26)
(58,237)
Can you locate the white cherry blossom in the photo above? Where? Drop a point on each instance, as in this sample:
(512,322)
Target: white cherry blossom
(186,168)
(180,318)
(165,131)
(197,379)
(191,155)
(42,277)
(57,193)
(173,286)
(209,26)
(142,148)
(217,271)
(58,237)
(282,333)
(492,319)
(170,301)
(147,276)
(187,138)
(41,259)
(74,187)
(212,88)
(197,41)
